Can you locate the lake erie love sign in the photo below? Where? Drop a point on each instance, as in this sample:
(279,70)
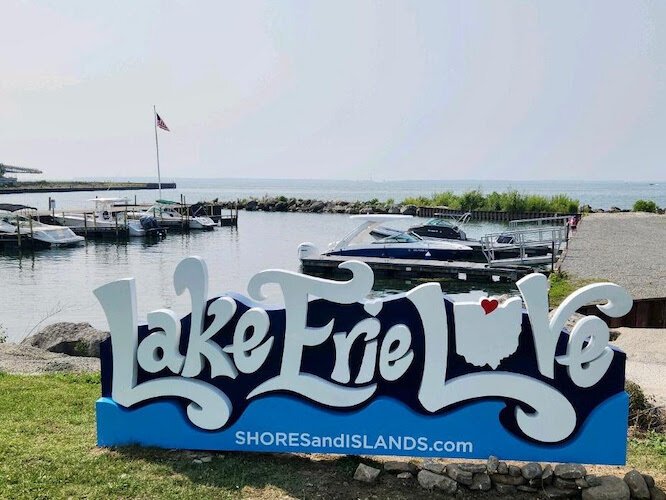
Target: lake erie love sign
(414,374)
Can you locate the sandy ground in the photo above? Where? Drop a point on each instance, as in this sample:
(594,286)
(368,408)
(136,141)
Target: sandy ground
(646,359)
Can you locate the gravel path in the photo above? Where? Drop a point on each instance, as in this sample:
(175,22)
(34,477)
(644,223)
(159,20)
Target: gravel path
(16,358)
(646,359)
(626,248)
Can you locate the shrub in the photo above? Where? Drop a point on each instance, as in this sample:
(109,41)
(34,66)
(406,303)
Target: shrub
(472,200)
(645,206)
(644,415)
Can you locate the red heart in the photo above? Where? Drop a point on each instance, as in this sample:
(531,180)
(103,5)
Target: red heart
(489,305)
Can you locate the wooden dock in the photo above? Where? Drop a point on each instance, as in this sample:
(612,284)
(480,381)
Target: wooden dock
(412,268)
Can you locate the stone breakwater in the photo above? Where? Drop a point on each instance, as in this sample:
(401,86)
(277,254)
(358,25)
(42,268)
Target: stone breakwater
(283,204)
(497,477)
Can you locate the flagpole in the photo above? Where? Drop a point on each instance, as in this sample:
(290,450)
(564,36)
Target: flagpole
(157,150)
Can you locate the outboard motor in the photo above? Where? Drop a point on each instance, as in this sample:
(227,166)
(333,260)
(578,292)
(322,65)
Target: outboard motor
(307,250)
(149,222)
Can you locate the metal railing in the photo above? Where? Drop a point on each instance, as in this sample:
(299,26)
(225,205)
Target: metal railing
(559,220)
(538,245)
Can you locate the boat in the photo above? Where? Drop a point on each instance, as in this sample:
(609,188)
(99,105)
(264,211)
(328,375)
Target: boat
(15,225)
(404,245)
(173,214)
(441,228)
(108,215)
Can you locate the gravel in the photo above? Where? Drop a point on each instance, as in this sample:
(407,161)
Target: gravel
(625,248)
(16,358)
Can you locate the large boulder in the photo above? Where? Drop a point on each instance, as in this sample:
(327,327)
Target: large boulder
(73,339)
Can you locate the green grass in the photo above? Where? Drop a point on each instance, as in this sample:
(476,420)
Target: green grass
(562,285)
(47,450)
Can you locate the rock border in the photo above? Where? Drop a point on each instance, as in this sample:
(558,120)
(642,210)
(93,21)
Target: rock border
(559,481)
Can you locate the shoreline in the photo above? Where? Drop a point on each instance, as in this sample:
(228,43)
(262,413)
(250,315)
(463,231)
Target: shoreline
(65,187)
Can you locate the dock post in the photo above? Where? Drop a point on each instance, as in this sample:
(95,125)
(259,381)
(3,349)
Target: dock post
(18,230)
(552,256)
(116,224)
(85,226)
(32,236)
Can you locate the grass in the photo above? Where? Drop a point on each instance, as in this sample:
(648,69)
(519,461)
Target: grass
(47,450)
(562,285)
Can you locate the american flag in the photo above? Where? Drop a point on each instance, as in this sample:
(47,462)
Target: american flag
(160,123)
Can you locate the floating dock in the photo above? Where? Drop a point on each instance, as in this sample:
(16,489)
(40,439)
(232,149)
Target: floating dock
(412,268)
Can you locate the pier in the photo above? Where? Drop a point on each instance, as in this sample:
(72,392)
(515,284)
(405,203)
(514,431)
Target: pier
(410,268)
(65,187)
(490,215)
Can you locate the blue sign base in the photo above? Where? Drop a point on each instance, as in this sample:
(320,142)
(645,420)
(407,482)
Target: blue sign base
(384,427)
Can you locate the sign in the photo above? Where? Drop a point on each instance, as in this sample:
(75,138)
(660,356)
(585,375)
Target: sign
(414,374)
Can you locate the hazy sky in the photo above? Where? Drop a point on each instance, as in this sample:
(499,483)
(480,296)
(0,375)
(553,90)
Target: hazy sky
(336,89)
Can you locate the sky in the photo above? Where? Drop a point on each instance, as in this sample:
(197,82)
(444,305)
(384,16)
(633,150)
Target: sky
(388,90)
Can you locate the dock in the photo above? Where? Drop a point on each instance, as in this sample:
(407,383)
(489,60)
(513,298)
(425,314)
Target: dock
(323,265)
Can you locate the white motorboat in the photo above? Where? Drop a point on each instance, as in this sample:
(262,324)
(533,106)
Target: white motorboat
(107,214)
(46,235)
(173,214)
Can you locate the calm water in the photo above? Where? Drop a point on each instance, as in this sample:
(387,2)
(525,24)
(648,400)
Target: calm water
(56,285)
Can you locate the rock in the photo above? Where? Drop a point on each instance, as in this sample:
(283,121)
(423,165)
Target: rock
(527,489)
(581,482)
(197,461)
(531,470)
(251,205)
(366,474)
(506,479)
(565,484)
(481,481)
(611,488)
(281,206)
(397,467)
(649,480)
(73,339)
(367,210)
(570,471)
(435,467)
(394,209)
(502,468)
(657,494)
(317,207)
(505,489)
(514,471)
(408,210)
(592,480)
(458,475)
(492,464)
(405,475)
(637,485)
(430,480)
(206,459)
(553,492)
(615,209)
(473,468)
(547,474)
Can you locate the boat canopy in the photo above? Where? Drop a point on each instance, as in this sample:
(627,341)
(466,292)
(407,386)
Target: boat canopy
(10,207)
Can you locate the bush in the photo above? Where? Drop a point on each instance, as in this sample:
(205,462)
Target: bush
(644,415)
(472,200)
(645,206)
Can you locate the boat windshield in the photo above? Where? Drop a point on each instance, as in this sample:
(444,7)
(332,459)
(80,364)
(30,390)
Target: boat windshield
(398,238)
(440,223)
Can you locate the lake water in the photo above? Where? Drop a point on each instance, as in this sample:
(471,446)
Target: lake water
(56,285)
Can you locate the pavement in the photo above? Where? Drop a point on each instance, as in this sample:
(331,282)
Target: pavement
(646,359)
